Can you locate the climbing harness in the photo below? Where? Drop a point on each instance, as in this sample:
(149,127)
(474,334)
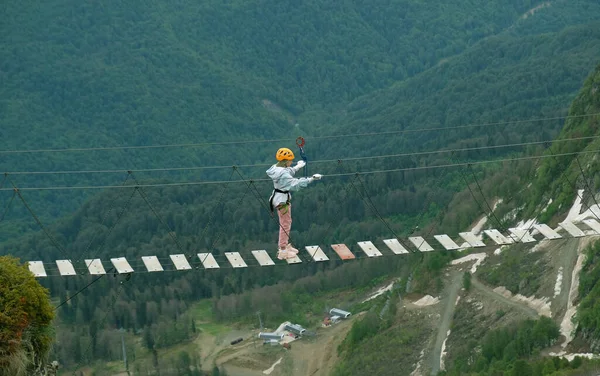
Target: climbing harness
(273,196)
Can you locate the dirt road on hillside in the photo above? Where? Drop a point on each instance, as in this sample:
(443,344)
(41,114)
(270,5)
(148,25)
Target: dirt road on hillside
(490,293)
(568,259)
(451,294)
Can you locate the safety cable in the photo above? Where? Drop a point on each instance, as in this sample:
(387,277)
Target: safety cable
(388,156)
(338,208)
(386,171)
(585,180)
(39,223)
(110,230)
(327,137)
(143,195)
(461,172)
(573,185)
(368,200)
(110,209)
(500,225)
(537,163)
(8,206)
(83,288)
(218,237)
(212,216)
(426,206)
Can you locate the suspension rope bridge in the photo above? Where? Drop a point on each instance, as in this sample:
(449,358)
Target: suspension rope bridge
(235,260)
(395,246)
(419,244)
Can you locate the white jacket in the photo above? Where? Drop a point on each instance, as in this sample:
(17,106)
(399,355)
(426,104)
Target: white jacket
(284,180)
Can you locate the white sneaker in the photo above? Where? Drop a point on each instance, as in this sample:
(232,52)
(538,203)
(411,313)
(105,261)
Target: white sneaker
(291,249)
(284,254)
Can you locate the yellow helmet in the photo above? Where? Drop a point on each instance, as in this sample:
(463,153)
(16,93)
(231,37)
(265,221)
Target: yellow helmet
(284,154)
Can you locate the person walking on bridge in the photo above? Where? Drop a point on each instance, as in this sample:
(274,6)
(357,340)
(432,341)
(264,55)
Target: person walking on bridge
(284,182)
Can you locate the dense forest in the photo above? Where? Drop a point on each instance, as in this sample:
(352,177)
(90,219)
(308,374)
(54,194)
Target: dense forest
(515,351)
(125,73)
(91,75)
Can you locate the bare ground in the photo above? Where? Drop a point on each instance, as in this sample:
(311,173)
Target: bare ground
(309,356)
(449,303)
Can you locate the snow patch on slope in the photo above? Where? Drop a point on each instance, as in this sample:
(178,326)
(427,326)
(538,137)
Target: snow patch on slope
(478,257)
(558,284)
(427,300)
(380,292)
(268,371)
(567,327)
(541,305)
(570,357)
(417,371)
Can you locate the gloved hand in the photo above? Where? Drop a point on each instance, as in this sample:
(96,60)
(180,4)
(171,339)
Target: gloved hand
(315,177)
(299,165)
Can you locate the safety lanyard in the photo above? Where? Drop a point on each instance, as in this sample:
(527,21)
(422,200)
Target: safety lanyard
(300,142)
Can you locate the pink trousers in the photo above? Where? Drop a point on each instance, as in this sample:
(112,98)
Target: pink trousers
(285,225)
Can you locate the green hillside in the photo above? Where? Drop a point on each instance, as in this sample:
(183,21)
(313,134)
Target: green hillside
(91,74)
(102,74)
(86,75)
(557,177)
(519,348)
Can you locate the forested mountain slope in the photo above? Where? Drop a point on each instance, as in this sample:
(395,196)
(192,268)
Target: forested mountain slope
(109,74)
(88,75)
(487,336)
(163,73)
(515,75)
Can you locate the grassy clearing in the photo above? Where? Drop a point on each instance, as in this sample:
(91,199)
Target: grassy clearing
(205,322)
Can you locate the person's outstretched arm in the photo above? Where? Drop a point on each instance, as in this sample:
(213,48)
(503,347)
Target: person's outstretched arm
(295,184)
